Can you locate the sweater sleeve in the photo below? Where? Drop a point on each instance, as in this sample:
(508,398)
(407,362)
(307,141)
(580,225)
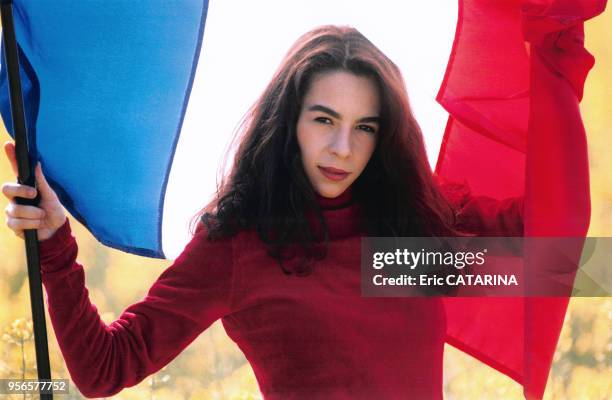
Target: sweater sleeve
(487,216)
(483,215)
(103,359)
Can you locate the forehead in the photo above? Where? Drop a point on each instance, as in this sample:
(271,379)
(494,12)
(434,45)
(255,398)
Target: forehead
(345,93)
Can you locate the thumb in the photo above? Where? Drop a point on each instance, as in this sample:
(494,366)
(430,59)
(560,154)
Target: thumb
(46,192)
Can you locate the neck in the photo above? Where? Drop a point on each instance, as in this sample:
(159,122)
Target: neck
(342,200)
(341,214)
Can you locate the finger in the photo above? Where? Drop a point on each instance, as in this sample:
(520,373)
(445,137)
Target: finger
(27,212)
(11,190)
(19,224)
(19,234)
(41,183)
(9,149)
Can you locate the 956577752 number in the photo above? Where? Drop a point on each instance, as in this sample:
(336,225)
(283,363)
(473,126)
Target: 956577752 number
(19,386)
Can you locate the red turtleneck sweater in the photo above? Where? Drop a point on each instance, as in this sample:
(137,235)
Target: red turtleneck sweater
(305,337)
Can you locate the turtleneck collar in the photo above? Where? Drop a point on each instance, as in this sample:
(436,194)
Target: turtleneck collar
(343,200)
(341,214)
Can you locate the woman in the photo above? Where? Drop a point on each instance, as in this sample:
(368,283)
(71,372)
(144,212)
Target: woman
(329,153)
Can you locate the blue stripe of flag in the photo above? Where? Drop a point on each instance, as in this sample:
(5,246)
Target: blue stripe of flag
(106,86)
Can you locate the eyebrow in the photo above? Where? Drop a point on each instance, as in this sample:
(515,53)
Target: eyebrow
(335,114)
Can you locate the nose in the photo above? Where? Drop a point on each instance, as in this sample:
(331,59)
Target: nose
(340,144)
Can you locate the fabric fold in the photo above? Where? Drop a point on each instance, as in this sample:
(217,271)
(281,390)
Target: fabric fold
(512,88)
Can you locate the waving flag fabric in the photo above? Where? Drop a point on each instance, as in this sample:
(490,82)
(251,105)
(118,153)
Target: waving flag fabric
(115,78)
(105,94)
(512,89)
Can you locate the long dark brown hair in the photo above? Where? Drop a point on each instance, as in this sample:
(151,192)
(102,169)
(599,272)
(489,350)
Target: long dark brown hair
(267,188)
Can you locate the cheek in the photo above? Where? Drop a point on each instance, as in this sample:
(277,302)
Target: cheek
(308,144)
(302,145)
(367,151)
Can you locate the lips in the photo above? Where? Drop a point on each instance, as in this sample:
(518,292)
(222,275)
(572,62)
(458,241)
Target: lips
(334,174)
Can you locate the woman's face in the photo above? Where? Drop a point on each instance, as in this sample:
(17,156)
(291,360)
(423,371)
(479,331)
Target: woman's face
(337,130)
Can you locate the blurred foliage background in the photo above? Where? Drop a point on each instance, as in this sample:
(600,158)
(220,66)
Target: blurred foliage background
(214,368)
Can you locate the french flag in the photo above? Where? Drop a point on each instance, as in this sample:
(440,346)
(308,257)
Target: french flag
(131,104)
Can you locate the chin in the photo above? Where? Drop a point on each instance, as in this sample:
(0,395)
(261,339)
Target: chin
(330,192)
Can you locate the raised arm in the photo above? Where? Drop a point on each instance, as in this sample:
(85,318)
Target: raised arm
(103,359)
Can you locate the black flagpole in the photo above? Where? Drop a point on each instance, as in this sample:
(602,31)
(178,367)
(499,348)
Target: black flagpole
(26,177)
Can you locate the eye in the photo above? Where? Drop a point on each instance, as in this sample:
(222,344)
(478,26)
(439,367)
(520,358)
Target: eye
(367,128)
(324,120)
